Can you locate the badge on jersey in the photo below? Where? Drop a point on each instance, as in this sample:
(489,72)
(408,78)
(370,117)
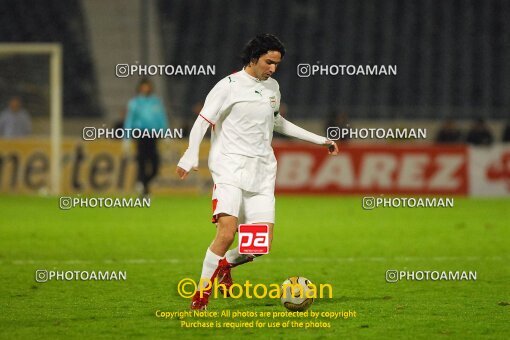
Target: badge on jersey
(272,100)
(253,239)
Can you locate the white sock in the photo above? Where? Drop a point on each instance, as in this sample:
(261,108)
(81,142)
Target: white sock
(210,264)
(234,257)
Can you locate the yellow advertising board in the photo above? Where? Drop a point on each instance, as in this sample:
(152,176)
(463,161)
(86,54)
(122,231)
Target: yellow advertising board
(93,167)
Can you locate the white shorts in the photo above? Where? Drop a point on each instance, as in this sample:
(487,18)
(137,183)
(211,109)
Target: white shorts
(248,207)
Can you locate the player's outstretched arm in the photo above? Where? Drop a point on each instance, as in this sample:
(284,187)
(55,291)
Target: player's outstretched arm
(287,128)
(190,158)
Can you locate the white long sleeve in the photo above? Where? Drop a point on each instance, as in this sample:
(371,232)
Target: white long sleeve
(287,128)
(190,158)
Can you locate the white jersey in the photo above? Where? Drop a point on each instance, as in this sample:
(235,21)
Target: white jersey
(242,110)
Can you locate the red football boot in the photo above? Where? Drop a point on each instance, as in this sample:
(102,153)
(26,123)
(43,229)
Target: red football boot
(224,277)
(198,302)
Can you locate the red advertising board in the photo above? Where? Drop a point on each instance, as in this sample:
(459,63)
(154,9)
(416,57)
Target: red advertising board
(372,170)
(489,171)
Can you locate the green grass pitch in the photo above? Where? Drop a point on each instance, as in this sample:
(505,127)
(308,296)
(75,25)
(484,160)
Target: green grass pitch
(326,239)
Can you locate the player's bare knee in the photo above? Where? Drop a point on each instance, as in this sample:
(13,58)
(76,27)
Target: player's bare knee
(227,236)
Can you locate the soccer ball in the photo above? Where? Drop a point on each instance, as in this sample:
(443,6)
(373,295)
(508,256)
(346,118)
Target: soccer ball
(297,294)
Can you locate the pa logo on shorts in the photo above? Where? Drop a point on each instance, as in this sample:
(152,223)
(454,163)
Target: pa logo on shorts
(253,239)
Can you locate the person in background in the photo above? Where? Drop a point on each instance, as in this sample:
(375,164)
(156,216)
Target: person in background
(479,134)
(448,133)
(146,112)
(15,121)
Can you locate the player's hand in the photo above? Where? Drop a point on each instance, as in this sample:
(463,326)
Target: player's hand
(183,173)
(332,147)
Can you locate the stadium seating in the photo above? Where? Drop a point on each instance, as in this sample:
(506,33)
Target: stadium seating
(426,40)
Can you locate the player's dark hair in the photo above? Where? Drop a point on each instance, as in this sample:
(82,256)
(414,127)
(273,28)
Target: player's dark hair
(259,46)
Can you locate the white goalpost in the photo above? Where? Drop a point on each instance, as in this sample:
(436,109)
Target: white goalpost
(54,51)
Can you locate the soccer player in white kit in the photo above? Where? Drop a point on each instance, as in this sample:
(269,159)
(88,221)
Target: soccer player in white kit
(242,110)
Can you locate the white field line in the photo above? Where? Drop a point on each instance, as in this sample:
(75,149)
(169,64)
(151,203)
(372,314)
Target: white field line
(266,259)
